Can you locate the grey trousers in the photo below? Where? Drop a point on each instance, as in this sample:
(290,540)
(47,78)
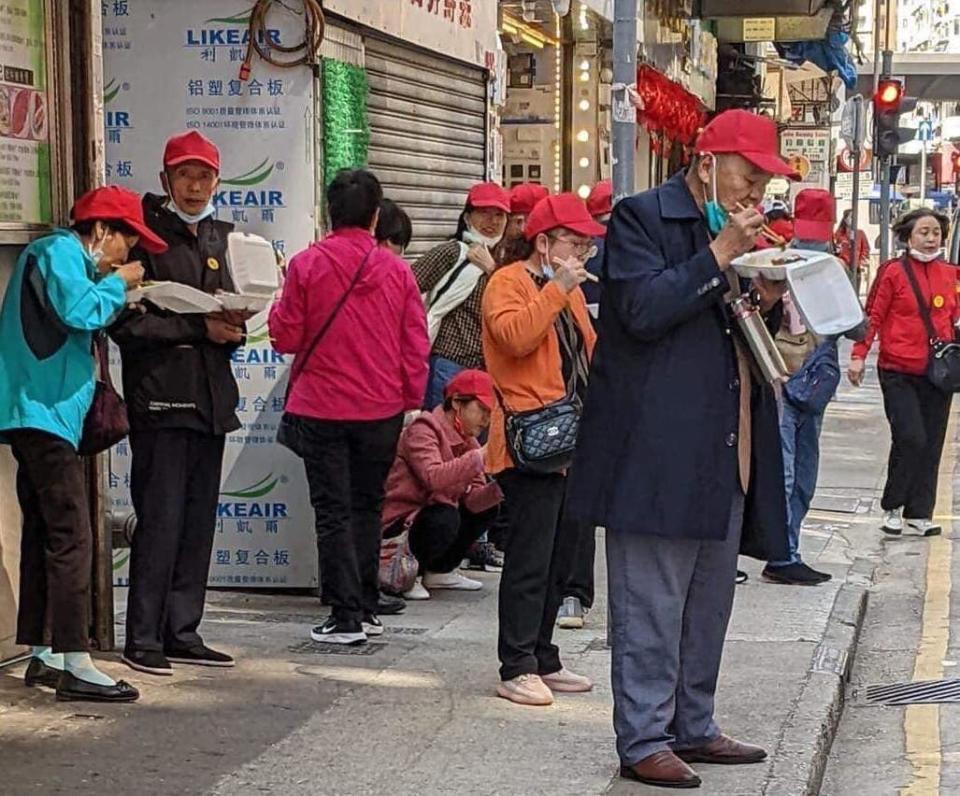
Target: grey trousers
(670,603)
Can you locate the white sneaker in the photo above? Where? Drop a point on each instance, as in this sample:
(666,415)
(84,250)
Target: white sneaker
(567,682)
(416,592)
(925,527)
(893,522)
(526,689)
(451,580)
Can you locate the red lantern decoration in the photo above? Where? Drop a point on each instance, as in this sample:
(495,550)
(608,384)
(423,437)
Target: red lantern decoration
(670,113)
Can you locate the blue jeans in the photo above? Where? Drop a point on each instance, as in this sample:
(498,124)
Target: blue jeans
(800,440)
(441,371)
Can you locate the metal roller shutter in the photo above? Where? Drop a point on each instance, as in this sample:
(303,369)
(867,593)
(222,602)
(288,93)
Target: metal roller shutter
(427,135)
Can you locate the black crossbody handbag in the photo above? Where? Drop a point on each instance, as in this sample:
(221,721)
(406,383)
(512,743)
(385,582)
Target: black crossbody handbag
(288,431)
(543,440)
(943,368)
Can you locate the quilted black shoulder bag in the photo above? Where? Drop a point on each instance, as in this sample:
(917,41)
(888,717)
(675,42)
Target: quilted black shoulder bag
(543,440)
(943,368)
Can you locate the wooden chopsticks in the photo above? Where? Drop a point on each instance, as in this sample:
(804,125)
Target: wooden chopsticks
(769,234)
(590,277)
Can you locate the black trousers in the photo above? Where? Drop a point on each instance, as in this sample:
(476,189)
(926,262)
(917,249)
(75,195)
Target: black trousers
(918,414)
(580,582)
(440,535)
(56,543)
(536,564)
(175,486)
(347,463)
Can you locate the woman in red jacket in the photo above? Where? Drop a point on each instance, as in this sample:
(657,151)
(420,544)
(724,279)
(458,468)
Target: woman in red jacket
(916,410)
(437,489)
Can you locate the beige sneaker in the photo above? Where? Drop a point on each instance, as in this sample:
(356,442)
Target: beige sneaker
(527,689)
(567,682)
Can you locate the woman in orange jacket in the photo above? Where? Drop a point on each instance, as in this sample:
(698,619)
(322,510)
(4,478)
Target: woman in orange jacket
(917,411)
(537,342)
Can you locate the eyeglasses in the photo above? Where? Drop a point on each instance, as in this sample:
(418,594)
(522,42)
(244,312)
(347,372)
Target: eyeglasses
(583,251)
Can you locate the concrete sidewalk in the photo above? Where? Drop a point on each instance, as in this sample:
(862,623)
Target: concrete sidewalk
(415,712)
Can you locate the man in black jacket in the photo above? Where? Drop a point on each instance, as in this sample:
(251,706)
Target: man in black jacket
(181,397)
(678,456)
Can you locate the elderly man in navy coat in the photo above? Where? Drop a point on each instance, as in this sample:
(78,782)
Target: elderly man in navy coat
(679,455)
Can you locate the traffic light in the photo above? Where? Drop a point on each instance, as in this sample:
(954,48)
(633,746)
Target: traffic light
(888,105)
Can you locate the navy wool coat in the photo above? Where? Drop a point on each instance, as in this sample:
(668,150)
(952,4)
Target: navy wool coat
(657,452)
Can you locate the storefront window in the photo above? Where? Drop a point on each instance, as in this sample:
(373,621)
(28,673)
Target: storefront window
(26,170)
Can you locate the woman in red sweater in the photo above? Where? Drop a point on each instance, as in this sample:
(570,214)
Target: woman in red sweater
(916,410)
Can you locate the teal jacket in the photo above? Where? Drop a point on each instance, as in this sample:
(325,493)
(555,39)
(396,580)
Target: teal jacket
(54,303)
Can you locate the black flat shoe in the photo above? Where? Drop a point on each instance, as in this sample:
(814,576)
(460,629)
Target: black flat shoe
(390,606)
(73,689)
(38,673)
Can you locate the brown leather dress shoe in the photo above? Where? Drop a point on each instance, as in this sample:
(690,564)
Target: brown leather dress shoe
(663,769)
(725,751)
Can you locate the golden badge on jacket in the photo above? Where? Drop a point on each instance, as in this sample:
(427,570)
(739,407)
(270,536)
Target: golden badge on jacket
(213,264)
(938,301)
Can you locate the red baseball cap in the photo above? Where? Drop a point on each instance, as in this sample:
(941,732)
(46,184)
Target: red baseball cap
(114,203)
(191,146)
(752,137)
(562,210)
(489,194)
(524,197)
(600,200)
(471,384)
(814,215)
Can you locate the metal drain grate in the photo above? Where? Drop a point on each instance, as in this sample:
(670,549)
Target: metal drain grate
(316,648)
(273,617)
(923,692)
(405,631)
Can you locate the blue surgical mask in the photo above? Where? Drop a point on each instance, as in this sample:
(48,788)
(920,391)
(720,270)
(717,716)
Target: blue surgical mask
(186,218)
(545,266)
(716,214)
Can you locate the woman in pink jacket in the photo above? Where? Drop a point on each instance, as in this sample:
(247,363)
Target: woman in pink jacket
(437,489)
(352,316)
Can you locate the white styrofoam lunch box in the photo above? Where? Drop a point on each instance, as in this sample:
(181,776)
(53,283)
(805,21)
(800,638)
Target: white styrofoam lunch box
(253,265)
(175,297)
(818,284)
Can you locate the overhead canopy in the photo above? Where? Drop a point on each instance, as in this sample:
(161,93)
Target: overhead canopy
(933,77)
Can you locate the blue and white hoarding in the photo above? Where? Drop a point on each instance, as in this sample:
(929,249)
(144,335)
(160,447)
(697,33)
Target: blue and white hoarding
(167,70)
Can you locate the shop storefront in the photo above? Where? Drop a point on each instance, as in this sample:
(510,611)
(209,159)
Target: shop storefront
(676,81)
(383,97)
(48,149)
(556,120)
(428,124)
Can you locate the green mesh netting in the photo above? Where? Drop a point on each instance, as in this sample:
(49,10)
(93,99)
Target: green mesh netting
(346,134)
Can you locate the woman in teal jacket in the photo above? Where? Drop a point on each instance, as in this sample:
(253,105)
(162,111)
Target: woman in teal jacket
(66,287)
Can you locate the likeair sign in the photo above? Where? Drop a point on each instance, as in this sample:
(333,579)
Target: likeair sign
(242,192)
(229,32)
(249,503)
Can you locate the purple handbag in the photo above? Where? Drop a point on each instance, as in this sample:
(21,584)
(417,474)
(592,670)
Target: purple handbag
(106,422)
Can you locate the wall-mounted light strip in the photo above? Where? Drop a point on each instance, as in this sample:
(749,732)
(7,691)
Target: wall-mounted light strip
(558,85)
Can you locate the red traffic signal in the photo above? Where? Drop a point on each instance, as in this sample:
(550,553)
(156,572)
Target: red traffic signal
(888,96)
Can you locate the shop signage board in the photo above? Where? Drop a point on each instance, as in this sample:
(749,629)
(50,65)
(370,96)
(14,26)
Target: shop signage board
(465,30)
(759,29)
(169,72)
(844,185)
(25,187)
(807,149)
